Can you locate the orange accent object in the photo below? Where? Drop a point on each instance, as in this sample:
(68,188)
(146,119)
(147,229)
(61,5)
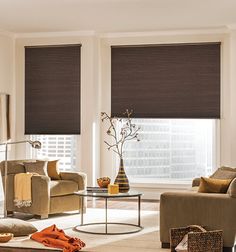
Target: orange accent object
(113,189)
(56,238)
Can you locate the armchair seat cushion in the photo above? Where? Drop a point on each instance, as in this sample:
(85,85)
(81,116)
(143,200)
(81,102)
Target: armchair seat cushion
(62,187)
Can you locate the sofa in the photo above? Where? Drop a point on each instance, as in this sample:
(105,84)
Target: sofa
(213,211)
(48,196)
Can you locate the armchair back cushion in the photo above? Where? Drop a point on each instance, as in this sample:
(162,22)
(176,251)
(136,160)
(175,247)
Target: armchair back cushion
(39,167)
(224,173)
(13,167)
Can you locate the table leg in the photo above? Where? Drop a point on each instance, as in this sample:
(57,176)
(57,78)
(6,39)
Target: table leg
(106,215)
(81,211)
(139,210)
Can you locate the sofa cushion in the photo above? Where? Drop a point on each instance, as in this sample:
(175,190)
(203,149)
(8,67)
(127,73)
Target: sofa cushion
(232,188)
(224,173)
(62,187)
(209,185)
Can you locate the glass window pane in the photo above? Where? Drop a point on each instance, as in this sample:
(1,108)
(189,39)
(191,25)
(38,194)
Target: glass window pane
(62,147)
(171,149)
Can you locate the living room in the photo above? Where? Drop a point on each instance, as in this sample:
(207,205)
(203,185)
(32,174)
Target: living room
(171,64)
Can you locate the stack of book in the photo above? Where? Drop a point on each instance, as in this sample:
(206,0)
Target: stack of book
(95,189)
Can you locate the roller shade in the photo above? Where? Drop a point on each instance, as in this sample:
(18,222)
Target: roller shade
(52,89)
(166,81)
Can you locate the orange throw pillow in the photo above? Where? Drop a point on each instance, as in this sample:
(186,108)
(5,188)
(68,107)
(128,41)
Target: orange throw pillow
(53,170)
(209,185)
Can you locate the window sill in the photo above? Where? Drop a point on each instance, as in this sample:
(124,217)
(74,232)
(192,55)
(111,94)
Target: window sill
(165,184)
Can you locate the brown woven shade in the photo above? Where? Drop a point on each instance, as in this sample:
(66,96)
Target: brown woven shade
(166,81)
(52,89)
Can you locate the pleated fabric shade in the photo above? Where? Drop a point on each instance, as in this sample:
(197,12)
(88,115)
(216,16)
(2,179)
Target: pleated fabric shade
(52,89)
(166,81)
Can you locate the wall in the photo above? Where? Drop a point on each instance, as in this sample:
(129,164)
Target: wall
(6,84)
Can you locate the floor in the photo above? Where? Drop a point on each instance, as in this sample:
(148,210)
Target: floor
(119,211)
(146,205)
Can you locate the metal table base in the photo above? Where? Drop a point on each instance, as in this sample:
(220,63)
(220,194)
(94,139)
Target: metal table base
(106,223)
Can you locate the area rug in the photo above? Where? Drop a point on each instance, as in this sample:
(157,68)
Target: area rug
(146,240)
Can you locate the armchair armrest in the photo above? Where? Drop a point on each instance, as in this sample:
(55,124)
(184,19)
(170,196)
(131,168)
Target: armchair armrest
(196,182)
(40,194)
(79,177)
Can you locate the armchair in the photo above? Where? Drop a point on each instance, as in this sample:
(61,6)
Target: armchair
(48,196)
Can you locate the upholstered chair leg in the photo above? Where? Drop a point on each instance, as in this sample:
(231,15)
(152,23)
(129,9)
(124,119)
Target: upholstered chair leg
(10,213)
(44,216)
(165,245)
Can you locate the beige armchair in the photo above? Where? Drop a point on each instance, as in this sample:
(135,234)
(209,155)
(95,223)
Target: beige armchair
(48,196)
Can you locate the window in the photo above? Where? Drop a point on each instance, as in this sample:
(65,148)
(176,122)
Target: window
(62,147)
(171,150)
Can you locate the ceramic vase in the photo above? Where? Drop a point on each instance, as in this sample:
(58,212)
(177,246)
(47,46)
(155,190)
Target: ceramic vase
(121,179)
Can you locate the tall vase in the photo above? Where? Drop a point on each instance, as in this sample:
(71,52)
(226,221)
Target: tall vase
(121,179)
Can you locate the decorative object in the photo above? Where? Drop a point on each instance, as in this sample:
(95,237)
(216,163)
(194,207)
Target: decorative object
(4,117)
(198,239)
(113,189)
(103,182)
(96,189)
(53,169)
(5,237)
(17,227)
(127,132)
(210,185)
(34,144)
(56,238)
(106,197)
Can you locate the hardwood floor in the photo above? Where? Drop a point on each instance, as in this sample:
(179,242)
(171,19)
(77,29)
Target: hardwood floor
(124,204)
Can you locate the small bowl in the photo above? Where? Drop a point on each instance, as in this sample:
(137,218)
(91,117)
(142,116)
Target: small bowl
(5,237)
(103,182)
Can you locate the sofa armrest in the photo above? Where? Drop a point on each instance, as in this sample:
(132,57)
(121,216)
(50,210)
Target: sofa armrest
(40,194)
(79,177)
(196,182)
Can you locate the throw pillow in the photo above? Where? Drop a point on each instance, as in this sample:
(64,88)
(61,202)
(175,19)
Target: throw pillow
(224,173)
(39,167)
(232,188)
(16,227)
(209,185)
(53,170)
